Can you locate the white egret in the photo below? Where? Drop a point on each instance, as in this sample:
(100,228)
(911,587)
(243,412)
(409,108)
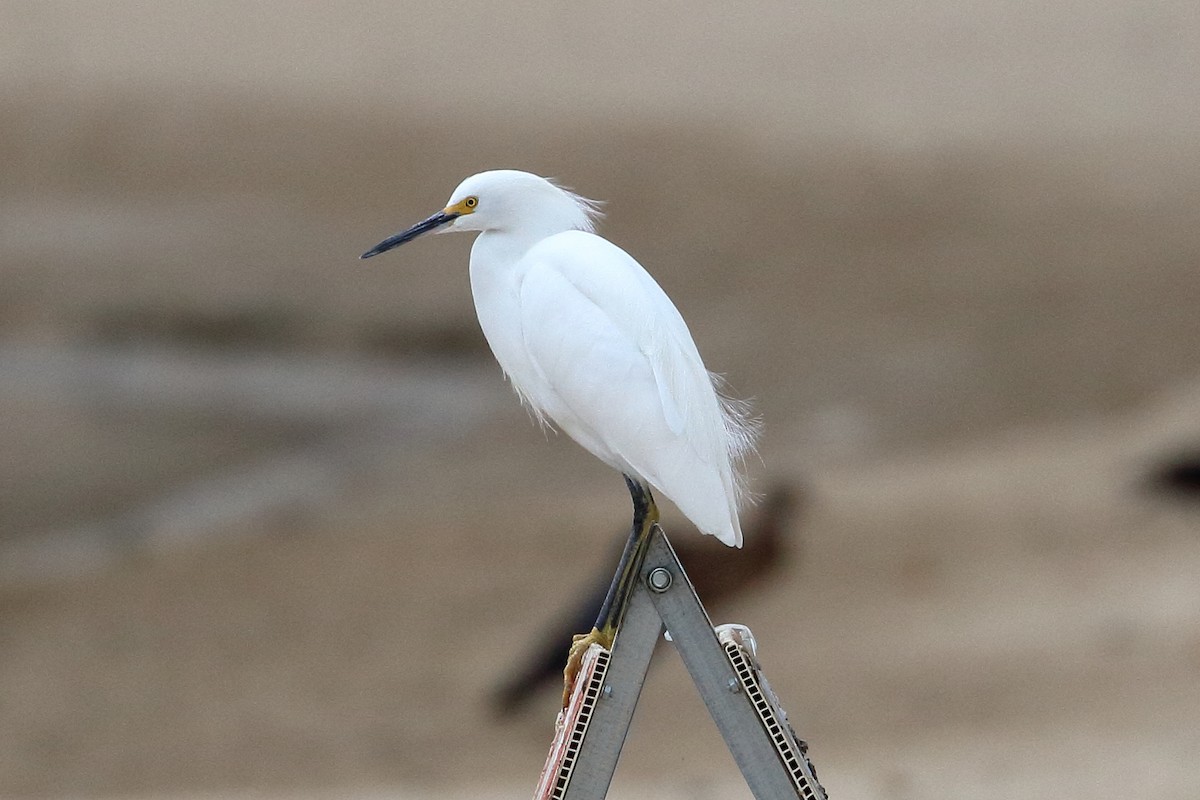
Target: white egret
(591,343)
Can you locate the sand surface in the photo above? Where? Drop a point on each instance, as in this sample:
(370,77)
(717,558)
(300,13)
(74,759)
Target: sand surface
(953,254)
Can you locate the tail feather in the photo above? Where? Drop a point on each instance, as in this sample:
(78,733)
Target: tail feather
(742,429)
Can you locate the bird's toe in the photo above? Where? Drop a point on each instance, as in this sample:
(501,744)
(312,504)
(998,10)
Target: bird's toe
(580,643)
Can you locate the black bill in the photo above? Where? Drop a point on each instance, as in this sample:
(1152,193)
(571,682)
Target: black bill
(436,221)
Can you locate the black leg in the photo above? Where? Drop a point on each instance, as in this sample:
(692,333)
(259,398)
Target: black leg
(645,517)
(645,514)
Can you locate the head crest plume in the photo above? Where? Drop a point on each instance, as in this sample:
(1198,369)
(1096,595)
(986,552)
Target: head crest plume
(592,210)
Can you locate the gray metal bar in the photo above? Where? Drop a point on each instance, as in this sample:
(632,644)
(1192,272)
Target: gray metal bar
(692,633)
(610,720)
(741,704)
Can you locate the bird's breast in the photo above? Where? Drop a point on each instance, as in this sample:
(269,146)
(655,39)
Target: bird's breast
(495,287)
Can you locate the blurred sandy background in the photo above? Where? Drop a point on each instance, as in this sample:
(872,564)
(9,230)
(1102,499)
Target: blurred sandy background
(270,521)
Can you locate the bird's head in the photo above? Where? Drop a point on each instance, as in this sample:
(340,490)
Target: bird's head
(500,200)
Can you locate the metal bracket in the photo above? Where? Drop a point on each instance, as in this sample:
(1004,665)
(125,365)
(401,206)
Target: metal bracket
(724,668)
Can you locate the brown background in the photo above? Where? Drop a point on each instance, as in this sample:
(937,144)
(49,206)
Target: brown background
(951,249)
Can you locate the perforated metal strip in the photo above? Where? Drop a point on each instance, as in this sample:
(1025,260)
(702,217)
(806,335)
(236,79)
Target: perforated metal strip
(790,751)
(575,739)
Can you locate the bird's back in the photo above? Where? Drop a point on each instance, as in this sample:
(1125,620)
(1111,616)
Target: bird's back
(608,357)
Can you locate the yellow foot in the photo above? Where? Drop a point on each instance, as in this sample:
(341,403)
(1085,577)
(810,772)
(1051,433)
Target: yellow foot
(580,642)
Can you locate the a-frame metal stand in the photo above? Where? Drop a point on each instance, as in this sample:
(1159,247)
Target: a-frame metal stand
(722,663)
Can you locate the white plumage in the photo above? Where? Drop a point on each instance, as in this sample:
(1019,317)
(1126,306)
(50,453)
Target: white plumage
(592,343)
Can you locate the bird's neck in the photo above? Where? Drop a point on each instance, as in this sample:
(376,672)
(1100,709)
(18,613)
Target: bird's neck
(502,248)
(498,249)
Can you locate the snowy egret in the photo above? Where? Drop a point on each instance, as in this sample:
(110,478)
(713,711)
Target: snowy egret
(592,344)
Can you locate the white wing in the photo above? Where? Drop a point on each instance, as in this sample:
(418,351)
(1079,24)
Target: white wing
(620,373)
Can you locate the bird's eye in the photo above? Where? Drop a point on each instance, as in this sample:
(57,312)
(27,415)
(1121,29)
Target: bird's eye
(471,202)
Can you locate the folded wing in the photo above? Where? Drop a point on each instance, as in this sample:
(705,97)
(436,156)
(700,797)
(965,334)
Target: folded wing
(626,381)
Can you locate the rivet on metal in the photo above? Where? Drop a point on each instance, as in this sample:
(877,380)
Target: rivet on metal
(659,579)
(733,685)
